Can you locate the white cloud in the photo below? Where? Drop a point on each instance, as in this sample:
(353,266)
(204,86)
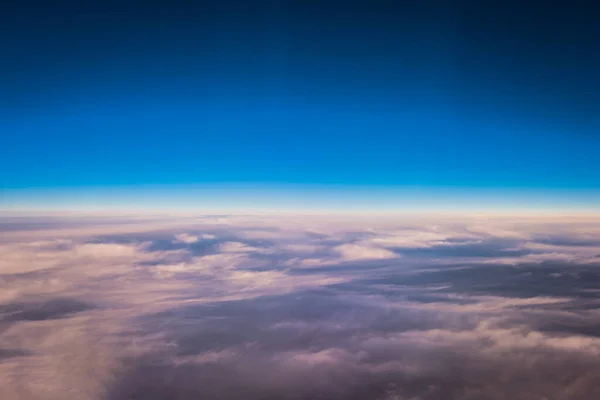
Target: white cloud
(412,239)
(186,238)
(487,337)
(353,252)
(237,247)
(209,265)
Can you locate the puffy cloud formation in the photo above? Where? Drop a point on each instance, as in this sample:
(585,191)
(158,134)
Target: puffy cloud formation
(299,308)
(353,251)
(186,238)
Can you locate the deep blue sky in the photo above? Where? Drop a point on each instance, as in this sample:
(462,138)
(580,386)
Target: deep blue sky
(390,93)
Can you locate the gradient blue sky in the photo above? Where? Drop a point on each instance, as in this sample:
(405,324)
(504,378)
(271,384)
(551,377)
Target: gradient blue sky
(455,95)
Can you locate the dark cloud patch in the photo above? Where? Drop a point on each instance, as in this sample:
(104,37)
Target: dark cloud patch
(568,327)
(43,311)
(568,241)
(489,248)
(312,321)
(10,353)
(438,298)
(349,267)
(457,373)
(132,238)
(155,380)
(241,317)
(18,224)
(527,280)
(24,276)
(153,263)
(200,248)
(316,236)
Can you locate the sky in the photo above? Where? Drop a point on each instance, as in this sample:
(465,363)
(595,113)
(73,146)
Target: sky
(459,97)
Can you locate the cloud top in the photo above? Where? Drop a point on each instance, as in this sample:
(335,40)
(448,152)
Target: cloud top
(263,307)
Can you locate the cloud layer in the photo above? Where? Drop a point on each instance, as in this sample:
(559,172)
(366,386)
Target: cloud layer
(252,307)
